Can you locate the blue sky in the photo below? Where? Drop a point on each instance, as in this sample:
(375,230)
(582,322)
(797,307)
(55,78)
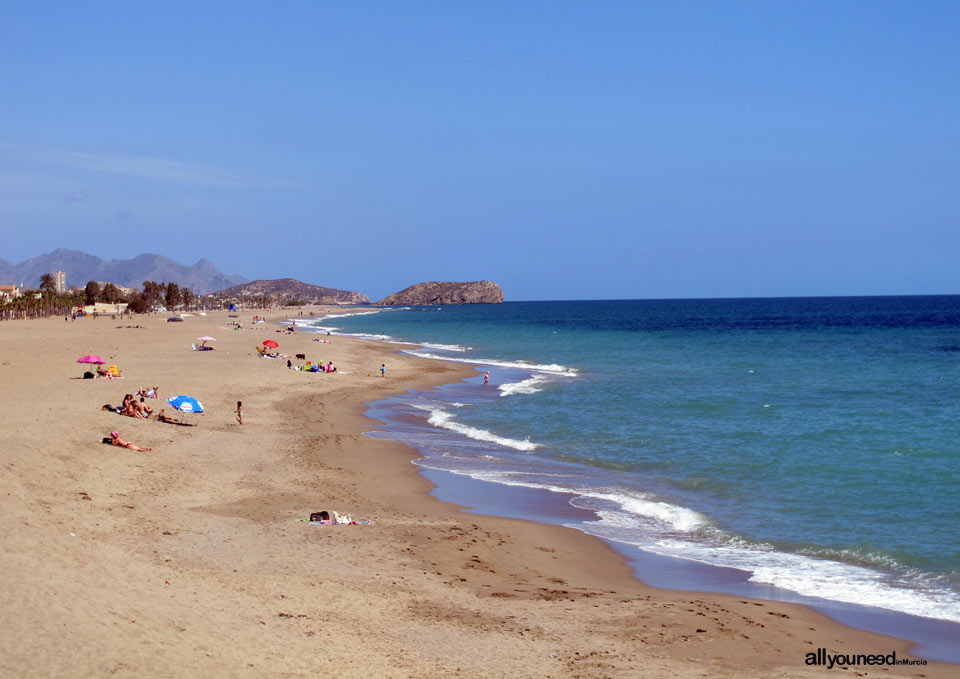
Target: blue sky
(565,150)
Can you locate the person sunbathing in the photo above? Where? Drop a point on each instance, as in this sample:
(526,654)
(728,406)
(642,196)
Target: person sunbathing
(117,441)
(149,393)
(104,373)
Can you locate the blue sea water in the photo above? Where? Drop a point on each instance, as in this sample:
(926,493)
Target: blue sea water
(811,442)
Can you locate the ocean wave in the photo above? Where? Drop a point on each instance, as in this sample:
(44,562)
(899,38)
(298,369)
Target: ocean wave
(444,420)
(662,527)
(442,347)
(640,510)
(527,386)
(804,575)
(526,365)
(653,514)
(311,326)
(675,531)
(354,313)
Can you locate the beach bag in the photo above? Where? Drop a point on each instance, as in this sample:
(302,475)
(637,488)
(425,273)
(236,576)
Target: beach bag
(88,375)
(320,516)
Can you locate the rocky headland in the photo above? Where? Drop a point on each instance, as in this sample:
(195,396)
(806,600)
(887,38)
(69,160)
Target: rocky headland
(284,289)
(476,292)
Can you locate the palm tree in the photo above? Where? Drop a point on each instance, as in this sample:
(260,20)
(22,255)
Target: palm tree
(188,297)
(48,282)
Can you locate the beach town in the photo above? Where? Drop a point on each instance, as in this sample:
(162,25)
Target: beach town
(183,535)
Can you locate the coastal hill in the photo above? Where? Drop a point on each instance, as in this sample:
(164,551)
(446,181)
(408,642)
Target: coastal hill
(477,292)
(289,288)
(80,267)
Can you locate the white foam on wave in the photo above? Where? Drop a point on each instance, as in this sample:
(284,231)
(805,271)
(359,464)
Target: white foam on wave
(551,368)
(675,531)
(444,420)
(388,339)
(798,573)
(311,323)
(668,516)
(527,386)
(655,514)
(354,313)
(442,347)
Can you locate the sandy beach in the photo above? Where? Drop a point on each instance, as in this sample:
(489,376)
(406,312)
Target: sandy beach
(189,560)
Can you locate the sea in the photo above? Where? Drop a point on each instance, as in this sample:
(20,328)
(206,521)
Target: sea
(811,445)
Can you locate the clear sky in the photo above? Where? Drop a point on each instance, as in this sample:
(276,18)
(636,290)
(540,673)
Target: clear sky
(563,149)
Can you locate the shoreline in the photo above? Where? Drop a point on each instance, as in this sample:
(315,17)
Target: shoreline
(934,637)
(930,638)
(188,559)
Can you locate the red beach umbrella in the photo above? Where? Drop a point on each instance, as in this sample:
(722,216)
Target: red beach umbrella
(270,343)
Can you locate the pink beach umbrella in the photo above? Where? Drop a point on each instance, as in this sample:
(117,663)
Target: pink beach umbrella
(92,359)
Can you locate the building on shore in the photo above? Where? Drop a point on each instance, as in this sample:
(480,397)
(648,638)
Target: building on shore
(104,308)
(61,281)
(8,292)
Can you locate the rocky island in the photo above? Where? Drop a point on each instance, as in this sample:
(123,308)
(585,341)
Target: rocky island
(476,292)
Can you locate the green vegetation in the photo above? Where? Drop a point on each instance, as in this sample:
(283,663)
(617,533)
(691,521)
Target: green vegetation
(46,301)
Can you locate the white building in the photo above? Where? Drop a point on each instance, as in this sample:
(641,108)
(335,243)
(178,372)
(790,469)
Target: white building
(61,281)
(104,308)
(8,292)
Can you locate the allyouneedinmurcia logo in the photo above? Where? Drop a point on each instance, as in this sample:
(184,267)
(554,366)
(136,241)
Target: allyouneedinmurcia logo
(831,660)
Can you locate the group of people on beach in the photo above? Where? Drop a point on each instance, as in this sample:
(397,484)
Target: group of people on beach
(134,405)
(131,407)
(318,367)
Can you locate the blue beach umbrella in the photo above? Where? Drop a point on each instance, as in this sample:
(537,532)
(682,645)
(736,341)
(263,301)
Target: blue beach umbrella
(186,404)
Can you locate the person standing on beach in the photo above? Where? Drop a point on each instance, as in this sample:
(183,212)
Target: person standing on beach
(239,412)
(383,370)
(486,378)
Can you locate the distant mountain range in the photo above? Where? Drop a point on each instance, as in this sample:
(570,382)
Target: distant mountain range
(79,267)
(289,288)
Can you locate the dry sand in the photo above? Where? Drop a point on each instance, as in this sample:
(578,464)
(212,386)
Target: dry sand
(187,561)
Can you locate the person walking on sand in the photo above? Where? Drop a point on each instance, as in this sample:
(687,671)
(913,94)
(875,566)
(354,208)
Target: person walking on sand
(239,412)
(486,378)
(117,441)
(383,370)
